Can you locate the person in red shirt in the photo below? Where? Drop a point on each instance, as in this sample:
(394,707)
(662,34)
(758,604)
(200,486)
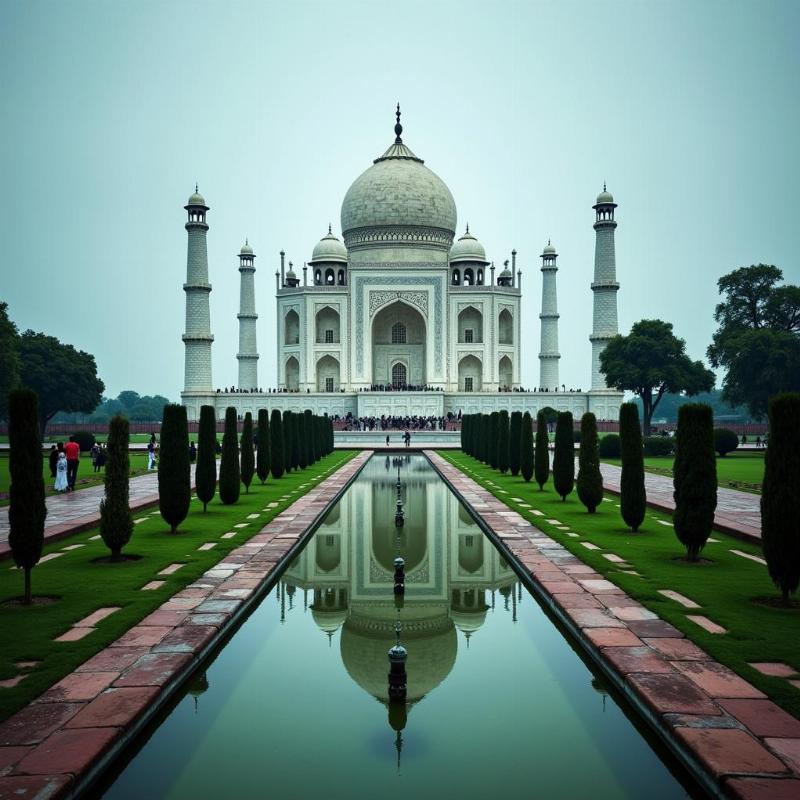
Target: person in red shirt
(73,453)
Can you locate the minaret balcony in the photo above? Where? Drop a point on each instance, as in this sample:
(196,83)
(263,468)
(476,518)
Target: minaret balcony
(605,285)
(200,287)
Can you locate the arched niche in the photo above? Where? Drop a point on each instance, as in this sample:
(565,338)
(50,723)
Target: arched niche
(470,325)
(470,374)
(505,327)
(505,373)
(292,374)
(291,328)
(398,336)
(327,374)
(327,326)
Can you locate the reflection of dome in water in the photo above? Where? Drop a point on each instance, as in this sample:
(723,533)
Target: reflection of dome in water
(429,637)
(470,552)
(329,620)
(328,551)
(468,621)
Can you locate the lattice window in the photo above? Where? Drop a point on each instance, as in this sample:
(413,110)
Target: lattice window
(399,374)
(328,337)
(467,384)
(328,384)
(398,333)
(468,336)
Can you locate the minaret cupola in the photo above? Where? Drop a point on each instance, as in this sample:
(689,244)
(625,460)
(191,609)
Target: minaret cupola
(467,261)
(329,261)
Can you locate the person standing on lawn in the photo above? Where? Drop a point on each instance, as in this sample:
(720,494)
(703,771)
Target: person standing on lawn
(61,473)
(53,460)
(72,451)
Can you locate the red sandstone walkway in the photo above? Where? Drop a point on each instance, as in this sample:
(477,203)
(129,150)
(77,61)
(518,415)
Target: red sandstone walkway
(79,510)
(54,747)
(745,745)
(738,513)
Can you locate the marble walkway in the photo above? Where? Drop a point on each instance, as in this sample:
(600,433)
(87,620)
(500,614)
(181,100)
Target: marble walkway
(57,745)
(79,510)
(738,513)
(743,744)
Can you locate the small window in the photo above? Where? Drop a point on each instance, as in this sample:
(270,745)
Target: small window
(328,337)
(398,333)
(399,376)
(329,538)
(328,384)
(467,384)
(468,335)
(469,540)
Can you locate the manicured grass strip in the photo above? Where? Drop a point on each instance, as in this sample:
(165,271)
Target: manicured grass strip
(86,475)
(743,470)
(725,589)
(28,633)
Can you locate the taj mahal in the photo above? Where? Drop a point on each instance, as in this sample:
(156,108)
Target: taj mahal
(398,317)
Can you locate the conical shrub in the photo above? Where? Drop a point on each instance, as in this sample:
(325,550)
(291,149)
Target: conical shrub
(116,520)
(590,481)
(633,498)
(248,460)
(205,473)
(542,458)
(230,482)
(526,448)
(502,441)
(564,456)
(276,457)
(174,467)
(262,455)
(515,442)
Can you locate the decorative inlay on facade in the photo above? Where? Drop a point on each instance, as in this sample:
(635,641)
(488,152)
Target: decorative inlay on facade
(378,299)
(464,353)
(360,282)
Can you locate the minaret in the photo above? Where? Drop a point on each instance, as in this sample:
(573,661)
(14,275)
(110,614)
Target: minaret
(604,286)
(198,338)
(248,350)
(548,354)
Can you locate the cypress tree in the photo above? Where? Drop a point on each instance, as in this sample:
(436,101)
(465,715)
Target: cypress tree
(205,473)
(27,509)
(502,441)
(780,499)
(229,469)
(694,477)
(526,447)
(288,440)
(491,443)
(542,459)
(464,434)
(174,468)
(315,437)
(590,481)
(332,434)
(116,520)
(564,456)
(262,457)
(515,442)
(633,498)
(248,455)
(303,440)
(483,455)
(276,459)
(296,441)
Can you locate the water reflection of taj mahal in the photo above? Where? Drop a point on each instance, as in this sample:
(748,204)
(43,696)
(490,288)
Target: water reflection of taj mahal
(450,566)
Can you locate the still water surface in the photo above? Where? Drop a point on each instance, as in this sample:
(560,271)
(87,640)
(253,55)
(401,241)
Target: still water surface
(295,705)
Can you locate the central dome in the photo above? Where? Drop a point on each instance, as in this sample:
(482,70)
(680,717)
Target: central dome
(398,201)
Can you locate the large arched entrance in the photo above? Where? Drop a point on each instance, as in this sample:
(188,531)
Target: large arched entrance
(398,347)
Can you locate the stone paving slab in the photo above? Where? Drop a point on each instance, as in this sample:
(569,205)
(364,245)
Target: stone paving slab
(48,748)
(746,745)
(80,510)
(737,513)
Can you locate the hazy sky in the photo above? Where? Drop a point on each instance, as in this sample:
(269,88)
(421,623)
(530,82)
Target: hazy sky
(112,110)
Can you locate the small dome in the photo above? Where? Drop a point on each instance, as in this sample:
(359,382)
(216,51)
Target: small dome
(549,250)
(291,273)
(506,273)
(605,196)
(197,199)
(329,248)
(246,249)
(468,248)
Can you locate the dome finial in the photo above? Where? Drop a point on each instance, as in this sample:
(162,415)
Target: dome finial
(398,128)
(330,232)
(468,227)
(246,240)
(604,186)
(195,186)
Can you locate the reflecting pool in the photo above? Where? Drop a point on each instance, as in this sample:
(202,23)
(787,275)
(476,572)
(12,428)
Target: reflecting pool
(296,704)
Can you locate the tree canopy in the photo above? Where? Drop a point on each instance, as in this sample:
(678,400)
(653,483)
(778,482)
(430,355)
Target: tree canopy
(9,359)
(651,361)
(65,379)
(758,338)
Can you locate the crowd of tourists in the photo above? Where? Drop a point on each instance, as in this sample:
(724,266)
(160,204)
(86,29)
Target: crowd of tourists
(450,422)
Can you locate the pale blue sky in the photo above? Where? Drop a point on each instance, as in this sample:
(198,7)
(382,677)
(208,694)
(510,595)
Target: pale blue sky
(111,110)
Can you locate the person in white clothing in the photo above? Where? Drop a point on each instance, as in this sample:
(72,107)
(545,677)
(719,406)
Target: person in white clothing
(61,474)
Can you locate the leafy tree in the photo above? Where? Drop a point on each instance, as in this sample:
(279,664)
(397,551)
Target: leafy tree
(651,361)
(670,403)
(276,459)
(502,441)
(116,520)
(590,481)
(262,459)
(694,478)
(526,448)
(230,476)
(205,474)
(174,469)
(564,456)
(27,509)
(494,435)
(725,441)
(65,379)
(633,498)
(757,342)
(9,359)
(515,442)
(248,465)
(780,499)
(288,440)
(542,456)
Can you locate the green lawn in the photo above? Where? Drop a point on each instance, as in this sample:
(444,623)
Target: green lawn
(724,588)
(86,474)
(83,586)
(742,470)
